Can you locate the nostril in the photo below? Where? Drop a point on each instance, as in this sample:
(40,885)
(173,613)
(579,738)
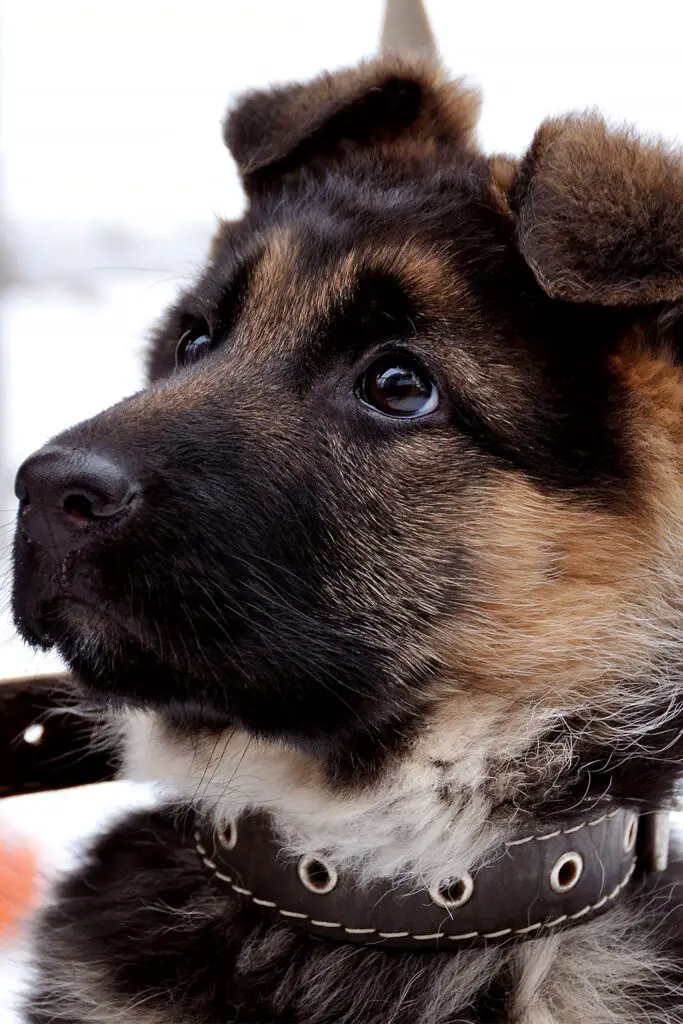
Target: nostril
(88,506)
(78,508)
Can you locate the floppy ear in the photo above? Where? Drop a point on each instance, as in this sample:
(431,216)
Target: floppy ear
(278,133)
(600,214)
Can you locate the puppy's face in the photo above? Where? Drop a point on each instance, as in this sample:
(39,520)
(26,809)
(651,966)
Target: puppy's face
(410,436)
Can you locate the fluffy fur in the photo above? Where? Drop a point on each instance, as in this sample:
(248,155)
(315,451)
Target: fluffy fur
(600,214)
(406,638)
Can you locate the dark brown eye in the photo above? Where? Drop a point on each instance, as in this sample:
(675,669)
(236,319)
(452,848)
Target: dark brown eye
(191,347)
(397,385)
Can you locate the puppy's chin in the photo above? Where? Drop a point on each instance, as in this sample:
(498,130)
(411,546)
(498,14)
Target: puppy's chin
(136,683)
(116,668)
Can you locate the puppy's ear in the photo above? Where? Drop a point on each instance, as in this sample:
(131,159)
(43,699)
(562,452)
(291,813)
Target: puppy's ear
(600,214)
(275,134)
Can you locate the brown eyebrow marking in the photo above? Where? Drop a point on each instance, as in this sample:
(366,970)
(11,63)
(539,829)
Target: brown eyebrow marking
(290,296)
(424,270)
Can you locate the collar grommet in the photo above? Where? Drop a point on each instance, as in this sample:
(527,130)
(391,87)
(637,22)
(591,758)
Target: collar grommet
(566,872)
(227,834)
(451,895)
(317,874)
(630,833)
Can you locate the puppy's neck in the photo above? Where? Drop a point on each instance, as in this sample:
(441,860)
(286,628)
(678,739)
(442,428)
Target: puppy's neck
(444,802)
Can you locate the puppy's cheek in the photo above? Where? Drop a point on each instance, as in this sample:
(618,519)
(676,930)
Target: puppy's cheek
(564,601)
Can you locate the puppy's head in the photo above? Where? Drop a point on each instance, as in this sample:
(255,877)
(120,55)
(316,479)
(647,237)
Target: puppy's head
(410,442)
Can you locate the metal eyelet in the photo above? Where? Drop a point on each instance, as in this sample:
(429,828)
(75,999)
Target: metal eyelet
(317,875)
(566,872)
(227,834)
(451,895)
(630,833)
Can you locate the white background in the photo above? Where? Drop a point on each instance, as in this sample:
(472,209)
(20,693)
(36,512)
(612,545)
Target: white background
(112,172)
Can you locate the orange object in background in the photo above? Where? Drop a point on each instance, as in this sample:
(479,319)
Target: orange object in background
(18,884)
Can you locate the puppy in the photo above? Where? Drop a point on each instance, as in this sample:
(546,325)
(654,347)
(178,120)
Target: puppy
(390,551)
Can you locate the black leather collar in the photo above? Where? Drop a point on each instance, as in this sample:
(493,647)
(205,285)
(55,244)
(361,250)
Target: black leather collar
(536,884)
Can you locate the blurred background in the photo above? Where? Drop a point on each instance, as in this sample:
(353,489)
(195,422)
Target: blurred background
(112,173)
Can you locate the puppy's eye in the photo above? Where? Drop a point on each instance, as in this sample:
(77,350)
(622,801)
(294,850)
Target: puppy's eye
(398,385)
(191,347)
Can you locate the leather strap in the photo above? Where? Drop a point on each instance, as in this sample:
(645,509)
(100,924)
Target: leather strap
(43,745)
(538,883)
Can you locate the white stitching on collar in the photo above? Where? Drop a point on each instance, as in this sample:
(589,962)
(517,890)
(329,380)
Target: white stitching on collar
(564,831)
(201,850)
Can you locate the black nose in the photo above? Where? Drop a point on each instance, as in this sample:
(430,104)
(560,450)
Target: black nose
(68,495)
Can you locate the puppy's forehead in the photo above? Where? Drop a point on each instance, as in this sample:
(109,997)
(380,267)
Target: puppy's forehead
(298,280)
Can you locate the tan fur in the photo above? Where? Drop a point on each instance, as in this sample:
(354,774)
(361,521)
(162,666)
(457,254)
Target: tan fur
(593,975)
(655,385)
(556,584)
(503,172)
(568,597)
(423,269)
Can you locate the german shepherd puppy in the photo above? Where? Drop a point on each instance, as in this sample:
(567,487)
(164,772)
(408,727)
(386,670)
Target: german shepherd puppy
(391,547)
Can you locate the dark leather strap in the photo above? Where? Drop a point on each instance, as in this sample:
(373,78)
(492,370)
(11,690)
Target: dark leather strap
(560,876)
(61,748)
